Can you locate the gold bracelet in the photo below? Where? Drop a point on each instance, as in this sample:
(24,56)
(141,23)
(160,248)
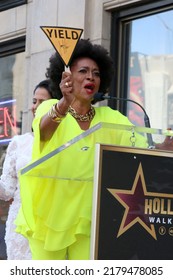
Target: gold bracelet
(59,111)
(55,115)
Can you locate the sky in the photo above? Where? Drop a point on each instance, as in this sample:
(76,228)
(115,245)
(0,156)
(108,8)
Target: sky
(153,35)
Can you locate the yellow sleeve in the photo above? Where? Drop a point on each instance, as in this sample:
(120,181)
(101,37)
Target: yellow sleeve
(41,111)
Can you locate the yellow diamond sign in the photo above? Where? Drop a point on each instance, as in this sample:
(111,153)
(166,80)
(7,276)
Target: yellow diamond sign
(63,39)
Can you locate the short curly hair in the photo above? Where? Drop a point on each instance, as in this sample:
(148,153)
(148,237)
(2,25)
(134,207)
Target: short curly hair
(84,48)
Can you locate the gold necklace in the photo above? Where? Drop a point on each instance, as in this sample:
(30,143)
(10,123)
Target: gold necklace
(83,118)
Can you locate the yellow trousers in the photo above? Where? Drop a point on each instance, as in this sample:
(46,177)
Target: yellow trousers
(79,250)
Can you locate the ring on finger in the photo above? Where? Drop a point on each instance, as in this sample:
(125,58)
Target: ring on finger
(66,84)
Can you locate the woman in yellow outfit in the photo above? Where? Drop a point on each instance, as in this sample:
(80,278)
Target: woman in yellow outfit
(57,192)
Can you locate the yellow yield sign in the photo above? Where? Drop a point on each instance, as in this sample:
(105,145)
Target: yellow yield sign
(63,39)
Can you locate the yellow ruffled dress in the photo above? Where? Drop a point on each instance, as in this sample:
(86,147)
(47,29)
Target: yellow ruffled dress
(56,193)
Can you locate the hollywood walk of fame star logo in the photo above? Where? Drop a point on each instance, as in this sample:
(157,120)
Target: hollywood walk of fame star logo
(134,202)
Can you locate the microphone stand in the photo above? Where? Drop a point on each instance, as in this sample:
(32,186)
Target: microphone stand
(100,97)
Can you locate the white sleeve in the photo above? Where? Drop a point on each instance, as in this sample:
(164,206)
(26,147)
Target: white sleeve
(9,179)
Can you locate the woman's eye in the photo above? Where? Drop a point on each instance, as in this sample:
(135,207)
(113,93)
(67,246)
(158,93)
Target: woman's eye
(96,73)
(83,70)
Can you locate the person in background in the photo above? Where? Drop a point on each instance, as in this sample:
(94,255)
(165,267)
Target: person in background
(59,213)
(18,155)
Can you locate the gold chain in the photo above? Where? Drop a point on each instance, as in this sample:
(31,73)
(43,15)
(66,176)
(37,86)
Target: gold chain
(83,118)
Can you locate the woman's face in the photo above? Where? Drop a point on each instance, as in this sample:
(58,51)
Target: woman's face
(85,78)
(41,94)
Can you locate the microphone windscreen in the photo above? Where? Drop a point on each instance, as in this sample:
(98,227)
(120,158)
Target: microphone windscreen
(99,96)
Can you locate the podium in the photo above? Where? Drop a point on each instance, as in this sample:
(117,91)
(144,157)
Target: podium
(132,204)
(132,209)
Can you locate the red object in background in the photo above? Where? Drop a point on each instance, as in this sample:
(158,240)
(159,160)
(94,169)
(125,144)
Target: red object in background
(136,92)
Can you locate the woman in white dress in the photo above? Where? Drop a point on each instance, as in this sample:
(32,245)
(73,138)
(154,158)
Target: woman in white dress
(18,155)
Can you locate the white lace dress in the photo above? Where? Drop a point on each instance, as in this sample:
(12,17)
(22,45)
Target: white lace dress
(18,155)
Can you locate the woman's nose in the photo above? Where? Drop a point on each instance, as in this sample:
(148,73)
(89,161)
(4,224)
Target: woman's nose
(34,107)
(90,75)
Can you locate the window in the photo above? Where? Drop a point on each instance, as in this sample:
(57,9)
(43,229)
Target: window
(12,77)
(8,4)
(144,57)
(12,72)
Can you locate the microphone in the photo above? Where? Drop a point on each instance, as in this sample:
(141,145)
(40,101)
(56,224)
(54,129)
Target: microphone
(99,96)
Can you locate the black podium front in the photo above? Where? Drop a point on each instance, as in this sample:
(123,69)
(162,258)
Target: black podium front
(133,204)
